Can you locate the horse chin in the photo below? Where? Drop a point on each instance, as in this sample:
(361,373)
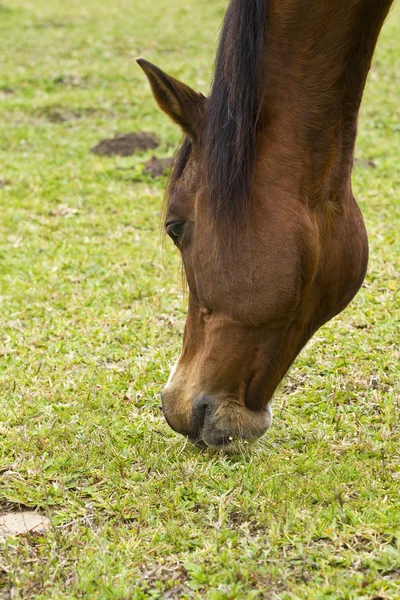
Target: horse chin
(237,446)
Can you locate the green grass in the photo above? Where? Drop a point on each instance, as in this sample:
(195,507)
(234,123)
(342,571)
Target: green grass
(91,319)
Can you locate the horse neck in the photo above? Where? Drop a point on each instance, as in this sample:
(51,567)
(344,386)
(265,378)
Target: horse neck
(318,55)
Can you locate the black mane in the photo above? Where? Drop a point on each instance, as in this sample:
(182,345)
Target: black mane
(233,109)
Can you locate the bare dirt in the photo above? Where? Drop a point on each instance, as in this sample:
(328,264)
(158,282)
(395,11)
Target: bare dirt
(365,163)
(156,167)
(6,91)
(126,144)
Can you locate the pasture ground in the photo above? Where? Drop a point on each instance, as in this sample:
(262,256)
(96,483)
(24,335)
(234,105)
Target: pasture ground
(91,317)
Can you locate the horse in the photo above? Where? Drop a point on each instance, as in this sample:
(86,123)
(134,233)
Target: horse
(260,204)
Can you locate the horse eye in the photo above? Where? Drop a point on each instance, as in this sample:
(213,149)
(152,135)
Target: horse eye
(175,231)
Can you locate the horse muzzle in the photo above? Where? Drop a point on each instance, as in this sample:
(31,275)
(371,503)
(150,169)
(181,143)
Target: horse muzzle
(218,423)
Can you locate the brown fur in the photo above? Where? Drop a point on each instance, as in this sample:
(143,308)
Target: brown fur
(262,284)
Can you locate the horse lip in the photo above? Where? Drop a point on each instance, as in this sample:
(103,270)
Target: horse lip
(199,409)
(166,414)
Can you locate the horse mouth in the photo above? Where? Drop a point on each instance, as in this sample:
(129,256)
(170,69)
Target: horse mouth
(208,426)
(219,423)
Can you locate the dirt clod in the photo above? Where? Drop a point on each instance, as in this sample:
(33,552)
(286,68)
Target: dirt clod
(157,166)
(365,163)
(6,91)
(126,144)
(61,115)
(68,80)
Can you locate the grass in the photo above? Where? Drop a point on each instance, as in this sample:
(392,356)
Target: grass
(91,319)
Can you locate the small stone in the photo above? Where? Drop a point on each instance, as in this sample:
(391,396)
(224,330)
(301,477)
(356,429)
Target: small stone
(156,167)
(374,382)
(19,523)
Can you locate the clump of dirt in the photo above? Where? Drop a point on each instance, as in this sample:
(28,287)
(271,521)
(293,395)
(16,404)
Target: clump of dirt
(68,80)
(126,144)
(172,572)
(61,115)
(366,163)
(156,167)
(51,24)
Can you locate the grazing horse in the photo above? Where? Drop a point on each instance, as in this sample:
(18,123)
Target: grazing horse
(260,203)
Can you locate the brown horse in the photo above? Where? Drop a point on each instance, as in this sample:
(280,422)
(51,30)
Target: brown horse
(260,203)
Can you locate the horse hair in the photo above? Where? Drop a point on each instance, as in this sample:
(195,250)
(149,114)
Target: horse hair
(181,159)
(233,110)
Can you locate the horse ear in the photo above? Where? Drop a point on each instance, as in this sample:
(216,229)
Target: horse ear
(179,101)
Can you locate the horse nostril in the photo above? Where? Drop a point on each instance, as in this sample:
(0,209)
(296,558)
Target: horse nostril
(199,409)
(204,427)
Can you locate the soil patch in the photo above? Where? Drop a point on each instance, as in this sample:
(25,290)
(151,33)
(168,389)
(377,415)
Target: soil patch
(6,91)
(156,167)
(174,574)
(60,114)
(365,163)
(52,24)
(68,80)
(126,144)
